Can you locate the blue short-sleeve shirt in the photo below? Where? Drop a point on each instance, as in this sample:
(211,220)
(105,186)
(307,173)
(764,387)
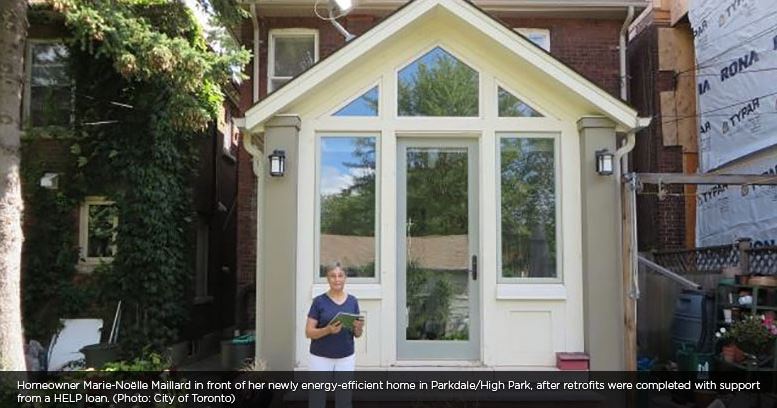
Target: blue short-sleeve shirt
(323,310)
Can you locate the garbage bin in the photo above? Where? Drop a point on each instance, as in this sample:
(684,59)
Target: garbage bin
(235,352)
(97,355)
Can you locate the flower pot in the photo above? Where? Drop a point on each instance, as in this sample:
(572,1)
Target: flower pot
(732,354)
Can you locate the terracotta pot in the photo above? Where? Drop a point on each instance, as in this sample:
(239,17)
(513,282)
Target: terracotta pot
(732,354)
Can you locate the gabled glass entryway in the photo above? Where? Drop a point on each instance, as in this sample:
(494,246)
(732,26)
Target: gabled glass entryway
(437,290)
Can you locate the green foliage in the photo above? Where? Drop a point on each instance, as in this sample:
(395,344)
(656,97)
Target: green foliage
(429,297)
(528,207)
(148,362)
(147,86)
(441,86)
(52,287)
(753,334)
(157,42)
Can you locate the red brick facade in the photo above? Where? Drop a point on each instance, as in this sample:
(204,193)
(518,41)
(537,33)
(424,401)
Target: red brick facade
(589,46)
(661,223)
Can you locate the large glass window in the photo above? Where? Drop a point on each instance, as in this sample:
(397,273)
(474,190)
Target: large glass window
(50,88)
(438,84)
(528,195)
(291,52)
(347,205)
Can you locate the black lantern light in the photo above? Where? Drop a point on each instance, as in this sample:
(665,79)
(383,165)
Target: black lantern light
(604,162)
(277,163)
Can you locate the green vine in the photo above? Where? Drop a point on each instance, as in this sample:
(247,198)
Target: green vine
(147,87)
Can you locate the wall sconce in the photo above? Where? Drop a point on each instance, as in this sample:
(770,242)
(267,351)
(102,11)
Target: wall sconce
(277,163)
(604,161)
(50,181)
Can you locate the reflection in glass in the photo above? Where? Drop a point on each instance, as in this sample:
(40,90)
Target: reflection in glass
(437,244)
(512,107)
(347,193)
(528,208)
(293,54)
(103,220)
(365,105)
(50,86)
(438,84)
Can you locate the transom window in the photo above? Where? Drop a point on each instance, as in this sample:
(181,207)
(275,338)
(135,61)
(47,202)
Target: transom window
(512,107)
(528,207)
(347,203)
(438,84)
(49,93)
(365,105)
(291,52)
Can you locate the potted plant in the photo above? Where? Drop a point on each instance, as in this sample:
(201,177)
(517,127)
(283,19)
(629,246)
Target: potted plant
(752,336)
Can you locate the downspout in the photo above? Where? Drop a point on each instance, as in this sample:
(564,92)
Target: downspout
(257,162)
(622,53)
(255,23)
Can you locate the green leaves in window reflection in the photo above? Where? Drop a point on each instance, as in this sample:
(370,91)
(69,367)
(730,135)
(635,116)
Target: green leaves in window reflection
(438,84)
(528,207)
(511,106)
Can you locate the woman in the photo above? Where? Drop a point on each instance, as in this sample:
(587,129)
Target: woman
(331,345)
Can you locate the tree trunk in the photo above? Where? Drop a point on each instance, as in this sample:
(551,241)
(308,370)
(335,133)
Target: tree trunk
(13,31)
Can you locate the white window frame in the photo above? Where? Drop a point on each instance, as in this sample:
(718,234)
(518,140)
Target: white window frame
(286,32)
(527,31)
(87,263)
(317,280)
(27,93)
(559,279)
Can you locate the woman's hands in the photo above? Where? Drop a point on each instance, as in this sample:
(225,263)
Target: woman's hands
(335,327)
(358,327)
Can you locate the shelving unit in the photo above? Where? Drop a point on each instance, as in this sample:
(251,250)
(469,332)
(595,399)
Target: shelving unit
(764,299)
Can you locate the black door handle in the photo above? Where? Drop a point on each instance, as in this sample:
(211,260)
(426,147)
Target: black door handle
(474,267)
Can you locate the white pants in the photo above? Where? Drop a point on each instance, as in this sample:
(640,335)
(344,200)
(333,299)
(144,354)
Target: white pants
(345,367)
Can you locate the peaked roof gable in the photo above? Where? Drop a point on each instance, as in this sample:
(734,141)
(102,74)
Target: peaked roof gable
(609,105)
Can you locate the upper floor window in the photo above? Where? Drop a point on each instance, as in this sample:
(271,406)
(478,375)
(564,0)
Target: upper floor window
(291,52)
(438,84)
(539,36)
(49,87)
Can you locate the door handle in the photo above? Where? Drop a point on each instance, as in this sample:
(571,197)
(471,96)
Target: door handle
(474,267)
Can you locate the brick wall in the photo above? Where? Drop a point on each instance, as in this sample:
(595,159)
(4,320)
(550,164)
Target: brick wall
(588,46)
(660,223)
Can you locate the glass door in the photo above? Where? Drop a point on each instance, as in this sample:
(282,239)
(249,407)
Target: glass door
(437,290)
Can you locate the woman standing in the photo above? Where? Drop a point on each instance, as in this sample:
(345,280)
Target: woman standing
(332,345)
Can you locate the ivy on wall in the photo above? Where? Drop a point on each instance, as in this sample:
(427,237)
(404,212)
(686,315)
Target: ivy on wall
(146,88)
